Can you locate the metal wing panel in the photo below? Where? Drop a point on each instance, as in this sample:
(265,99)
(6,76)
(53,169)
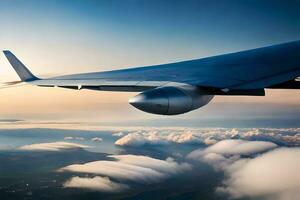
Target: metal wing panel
(98,84)
(252,69)
(249,69)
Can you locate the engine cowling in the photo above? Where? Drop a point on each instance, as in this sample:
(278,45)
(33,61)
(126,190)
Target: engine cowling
(171,100)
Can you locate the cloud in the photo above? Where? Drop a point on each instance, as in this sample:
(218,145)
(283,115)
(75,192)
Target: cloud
(117,170)
(118,134)
(254,168)
(234,147)
(185,137)
(240,147)
(103,184)
(168,166)
(225,152)
(139,138)
(208,136)
(69,138)
(97,139)
(274,174)
(73,138)
(141,169)
(54,146)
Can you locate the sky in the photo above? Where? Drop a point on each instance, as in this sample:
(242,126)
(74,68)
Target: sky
(64,37)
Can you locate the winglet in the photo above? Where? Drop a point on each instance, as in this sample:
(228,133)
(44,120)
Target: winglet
(24,74)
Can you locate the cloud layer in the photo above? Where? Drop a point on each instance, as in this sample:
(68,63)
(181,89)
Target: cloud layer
(140,138)
(274,174)
(265,171)
(234,147)
(102,184)
(128,168)
(54,146)
(208,136)
(141,169)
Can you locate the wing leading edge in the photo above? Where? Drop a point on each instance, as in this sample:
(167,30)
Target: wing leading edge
(242,73)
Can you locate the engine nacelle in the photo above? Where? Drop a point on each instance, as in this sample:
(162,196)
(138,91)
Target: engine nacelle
(171,100)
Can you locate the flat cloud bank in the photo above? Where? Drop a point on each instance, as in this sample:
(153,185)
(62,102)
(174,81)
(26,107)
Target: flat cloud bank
(208,136)
(139,169)
(269,172)
(53,146)
(274,174)
(98,183)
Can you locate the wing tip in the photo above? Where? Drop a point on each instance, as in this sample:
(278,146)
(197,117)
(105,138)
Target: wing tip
(6,51)
(24,74)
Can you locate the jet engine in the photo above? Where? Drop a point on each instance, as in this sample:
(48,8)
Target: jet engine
(171,100)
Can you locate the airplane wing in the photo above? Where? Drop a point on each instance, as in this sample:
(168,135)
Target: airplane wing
(176,88)
(242,73)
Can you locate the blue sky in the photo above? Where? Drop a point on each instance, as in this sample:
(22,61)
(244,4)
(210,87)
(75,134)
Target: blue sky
(144,32)
(180,29)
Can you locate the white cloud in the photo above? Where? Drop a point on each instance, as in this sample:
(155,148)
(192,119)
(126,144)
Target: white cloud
(140,138)
(97,139)
(185,137)
(54,146)
(140,169)
(274,174)
(225,152)
(234,147)
(209,136)
(117,170)
(269,173)
(218,161)
(165,166)
(68,138)
(73,138)
(286,136)
(210,141)
(103,184)
(118,134)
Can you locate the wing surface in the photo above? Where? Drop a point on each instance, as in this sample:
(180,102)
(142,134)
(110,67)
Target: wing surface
(246,70)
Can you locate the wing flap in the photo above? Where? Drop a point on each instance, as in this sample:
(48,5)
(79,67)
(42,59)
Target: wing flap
(268,81)
(293,84)
(99,84)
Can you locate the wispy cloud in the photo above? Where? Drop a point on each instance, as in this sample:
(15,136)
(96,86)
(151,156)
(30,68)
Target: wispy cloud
(235,147)
(141,169)
(97,139)
(168,166)
(102,184)
(118,134)
(54,146)
(73,138)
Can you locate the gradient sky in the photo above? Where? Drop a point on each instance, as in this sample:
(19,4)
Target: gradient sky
(61,37)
